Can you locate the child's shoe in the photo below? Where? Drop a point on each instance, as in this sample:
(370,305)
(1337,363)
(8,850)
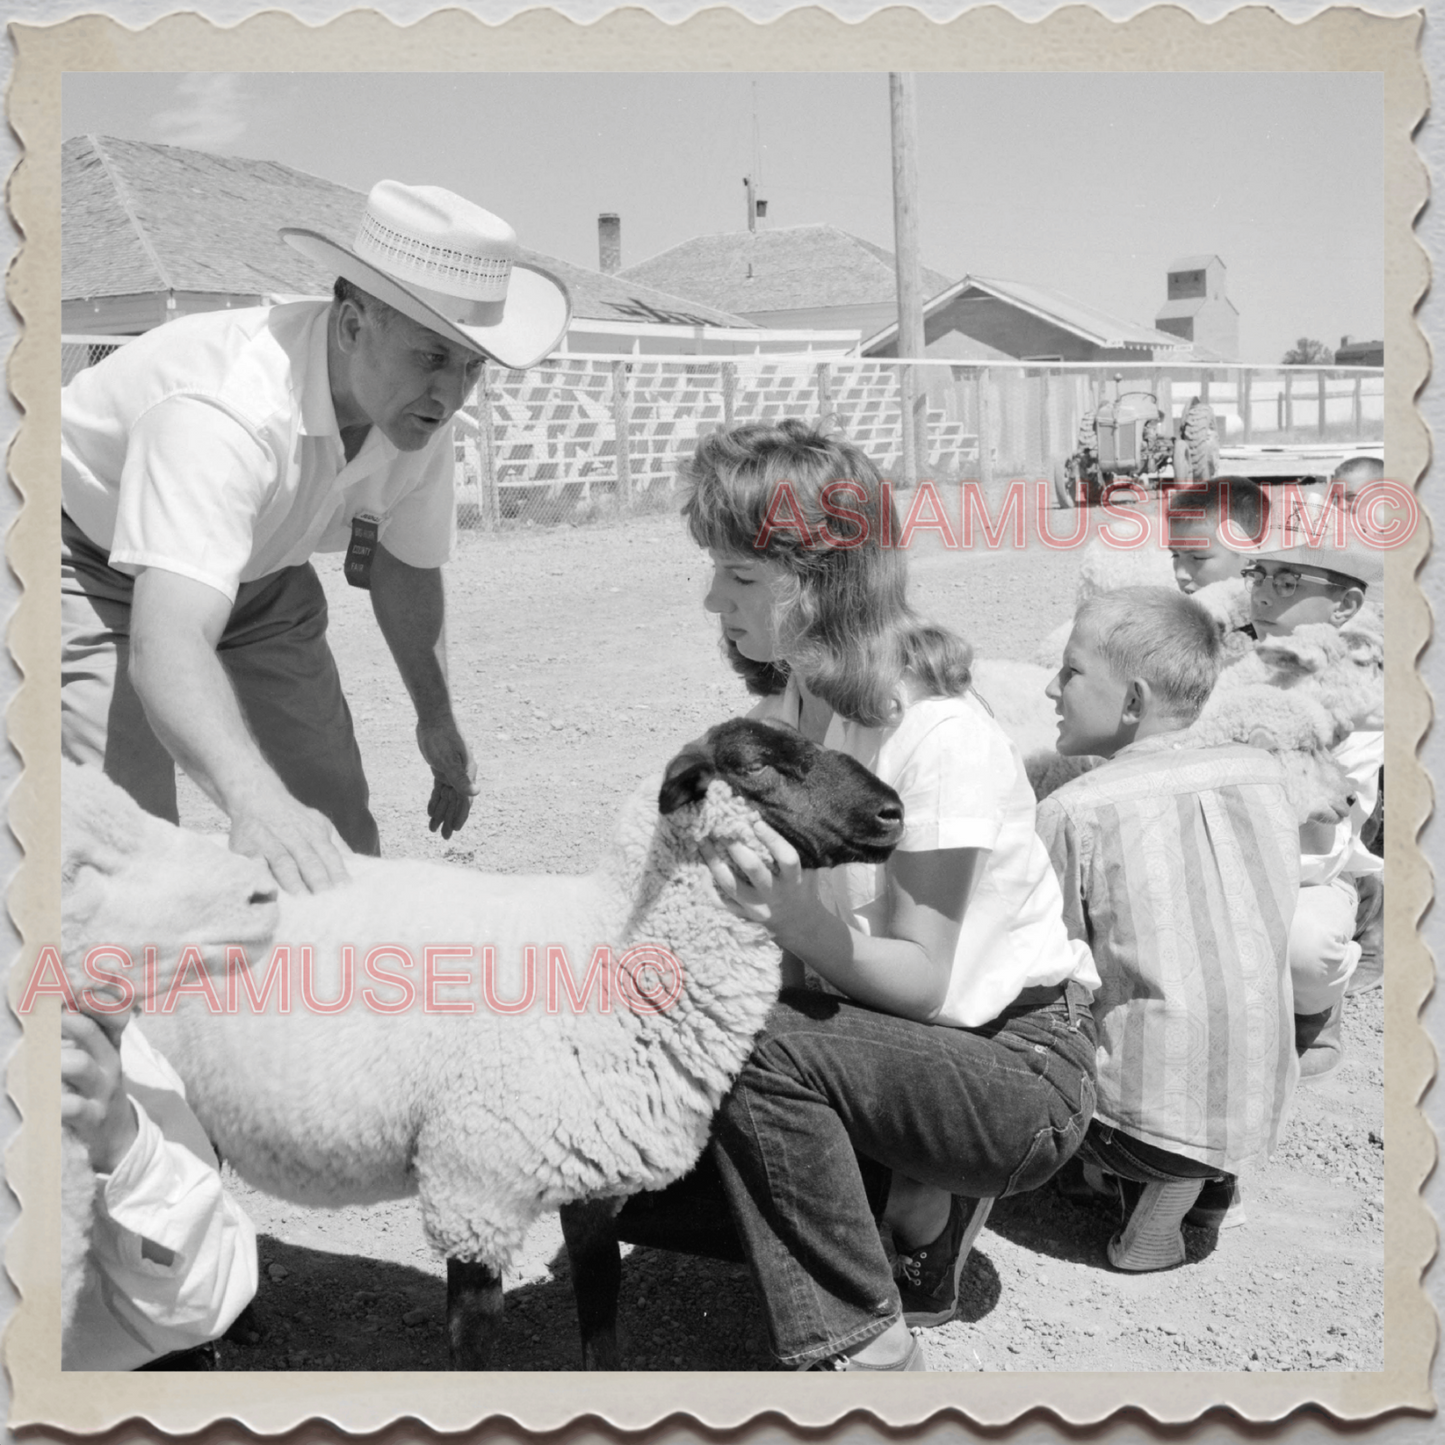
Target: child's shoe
(1152,1238)
(913,1360)
(1220,1206)
(928,1277)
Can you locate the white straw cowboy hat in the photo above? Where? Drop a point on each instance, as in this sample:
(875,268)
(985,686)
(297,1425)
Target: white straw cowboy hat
(1307,534)
(452,267)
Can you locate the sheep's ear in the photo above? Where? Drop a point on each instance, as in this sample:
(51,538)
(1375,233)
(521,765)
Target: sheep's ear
(684,782)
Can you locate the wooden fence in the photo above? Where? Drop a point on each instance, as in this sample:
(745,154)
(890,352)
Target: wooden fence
(580,434)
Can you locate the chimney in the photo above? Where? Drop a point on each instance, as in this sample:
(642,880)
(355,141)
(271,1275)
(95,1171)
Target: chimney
(609,243)
(1346,339)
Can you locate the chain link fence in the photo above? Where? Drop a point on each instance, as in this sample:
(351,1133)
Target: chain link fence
(582,437)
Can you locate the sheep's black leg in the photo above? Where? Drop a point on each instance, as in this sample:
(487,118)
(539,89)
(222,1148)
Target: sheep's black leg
(474,1312)
(589,1228)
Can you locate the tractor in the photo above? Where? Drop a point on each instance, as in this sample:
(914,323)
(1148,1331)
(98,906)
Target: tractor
(1133,439)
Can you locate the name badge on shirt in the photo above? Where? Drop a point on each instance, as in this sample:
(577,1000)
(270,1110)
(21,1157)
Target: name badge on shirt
(362,550)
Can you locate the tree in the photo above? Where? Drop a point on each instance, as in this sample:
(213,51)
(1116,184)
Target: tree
(1308,352)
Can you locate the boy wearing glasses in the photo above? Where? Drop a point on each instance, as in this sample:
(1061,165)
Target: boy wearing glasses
(1309,578)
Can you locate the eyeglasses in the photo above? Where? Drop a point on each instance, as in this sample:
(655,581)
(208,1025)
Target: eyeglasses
(1284,582)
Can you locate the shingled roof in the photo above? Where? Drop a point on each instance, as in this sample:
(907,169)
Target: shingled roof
(793,268)
(138,218)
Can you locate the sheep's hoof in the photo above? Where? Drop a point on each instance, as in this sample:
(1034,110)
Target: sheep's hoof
(601,1352)
(474,1313)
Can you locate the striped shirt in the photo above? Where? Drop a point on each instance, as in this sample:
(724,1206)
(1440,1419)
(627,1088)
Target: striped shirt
(1180,869)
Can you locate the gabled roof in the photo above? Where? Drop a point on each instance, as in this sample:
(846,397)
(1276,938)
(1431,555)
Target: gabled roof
(793,268)
(138,218)
(1053,306)
(1194,263)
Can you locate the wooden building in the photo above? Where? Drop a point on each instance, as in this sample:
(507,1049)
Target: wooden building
(984,319)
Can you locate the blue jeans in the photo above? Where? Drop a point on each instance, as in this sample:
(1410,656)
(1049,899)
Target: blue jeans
(1116,1152)
(835,1096)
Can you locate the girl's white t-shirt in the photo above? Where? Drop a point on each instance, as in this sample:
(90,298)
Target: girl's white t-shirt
(963,785)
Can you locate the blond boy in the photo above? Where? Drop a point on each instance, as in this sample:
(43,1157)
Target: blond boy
(1179,868)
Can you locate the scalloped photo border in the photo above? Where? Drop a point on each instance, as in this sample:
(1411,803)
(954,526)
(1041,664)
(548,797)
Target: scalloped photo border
(1077,38)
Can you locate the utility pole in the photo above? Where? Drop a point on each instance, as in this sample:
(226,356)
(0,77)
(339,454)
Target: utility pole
(752,204)
(901,95)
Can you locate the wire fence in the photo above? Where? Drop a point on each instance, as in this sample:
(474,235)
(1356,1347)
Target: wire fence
(581,437)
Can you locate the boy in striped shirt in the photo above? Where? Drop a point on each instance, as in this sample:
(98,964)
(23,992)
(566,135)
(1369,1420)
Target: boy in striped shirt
(1180,868)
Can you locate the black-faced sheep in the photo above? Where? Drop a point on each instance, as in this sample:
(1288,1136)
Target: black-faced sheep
(534,1098)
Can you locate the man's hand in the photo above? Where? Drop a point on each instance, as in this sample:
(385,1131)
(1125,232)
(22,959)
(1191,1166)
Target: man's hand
(451,763)
(301,848)
(93,1101)
(176,624)
(409,609)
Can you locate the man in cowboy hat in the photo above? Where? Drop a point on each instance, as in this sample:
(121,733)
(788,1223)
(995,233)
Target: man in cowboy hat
(203,464)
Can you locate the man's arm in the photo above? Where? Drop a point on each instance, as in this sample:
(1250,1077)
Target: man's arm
(410,611)
(176,623)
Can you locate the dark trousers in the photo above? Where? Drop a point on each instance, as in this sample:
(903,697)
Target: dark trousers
(275,653)
(1116,1152)
(836,1096)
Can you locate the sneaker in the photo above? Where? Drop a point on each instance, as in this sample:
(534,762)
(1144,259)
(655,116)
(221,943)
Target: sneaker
(928,1277)
(1220,1206)
(913,1360)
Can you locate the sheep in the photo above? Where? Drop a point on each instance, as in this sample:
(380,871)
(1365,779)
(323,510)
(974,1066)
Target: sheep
(493,1117)
(111,854)
(1298,697)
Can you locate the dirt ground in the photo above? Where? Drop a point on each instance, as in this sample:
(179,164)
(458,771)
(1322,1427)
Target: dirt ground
(581,659)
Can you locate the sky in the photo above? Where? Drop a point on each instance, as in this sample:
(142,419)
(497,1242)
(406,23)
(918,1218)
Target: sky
(1090,184)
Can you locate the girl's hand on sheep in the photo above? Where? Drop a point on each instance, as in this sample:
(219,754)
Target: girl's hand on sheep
(455,775)
(772,890)
(93,1101)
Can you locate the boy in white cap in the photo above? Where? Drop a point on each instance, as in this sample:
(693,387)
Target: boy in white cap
(203,464)
(1312,576)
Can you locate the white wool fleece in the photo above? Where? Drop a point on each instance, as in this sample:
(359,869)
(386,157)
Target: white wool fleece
(492,1117)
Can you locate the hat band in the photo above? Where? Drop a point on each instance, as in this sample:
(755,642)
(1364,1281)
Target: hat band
(444,270)
(459,311)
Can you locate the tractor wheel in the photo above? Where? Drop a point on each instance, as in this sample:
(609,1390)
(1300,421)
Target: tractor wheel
(1201,441)
(1064,482)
